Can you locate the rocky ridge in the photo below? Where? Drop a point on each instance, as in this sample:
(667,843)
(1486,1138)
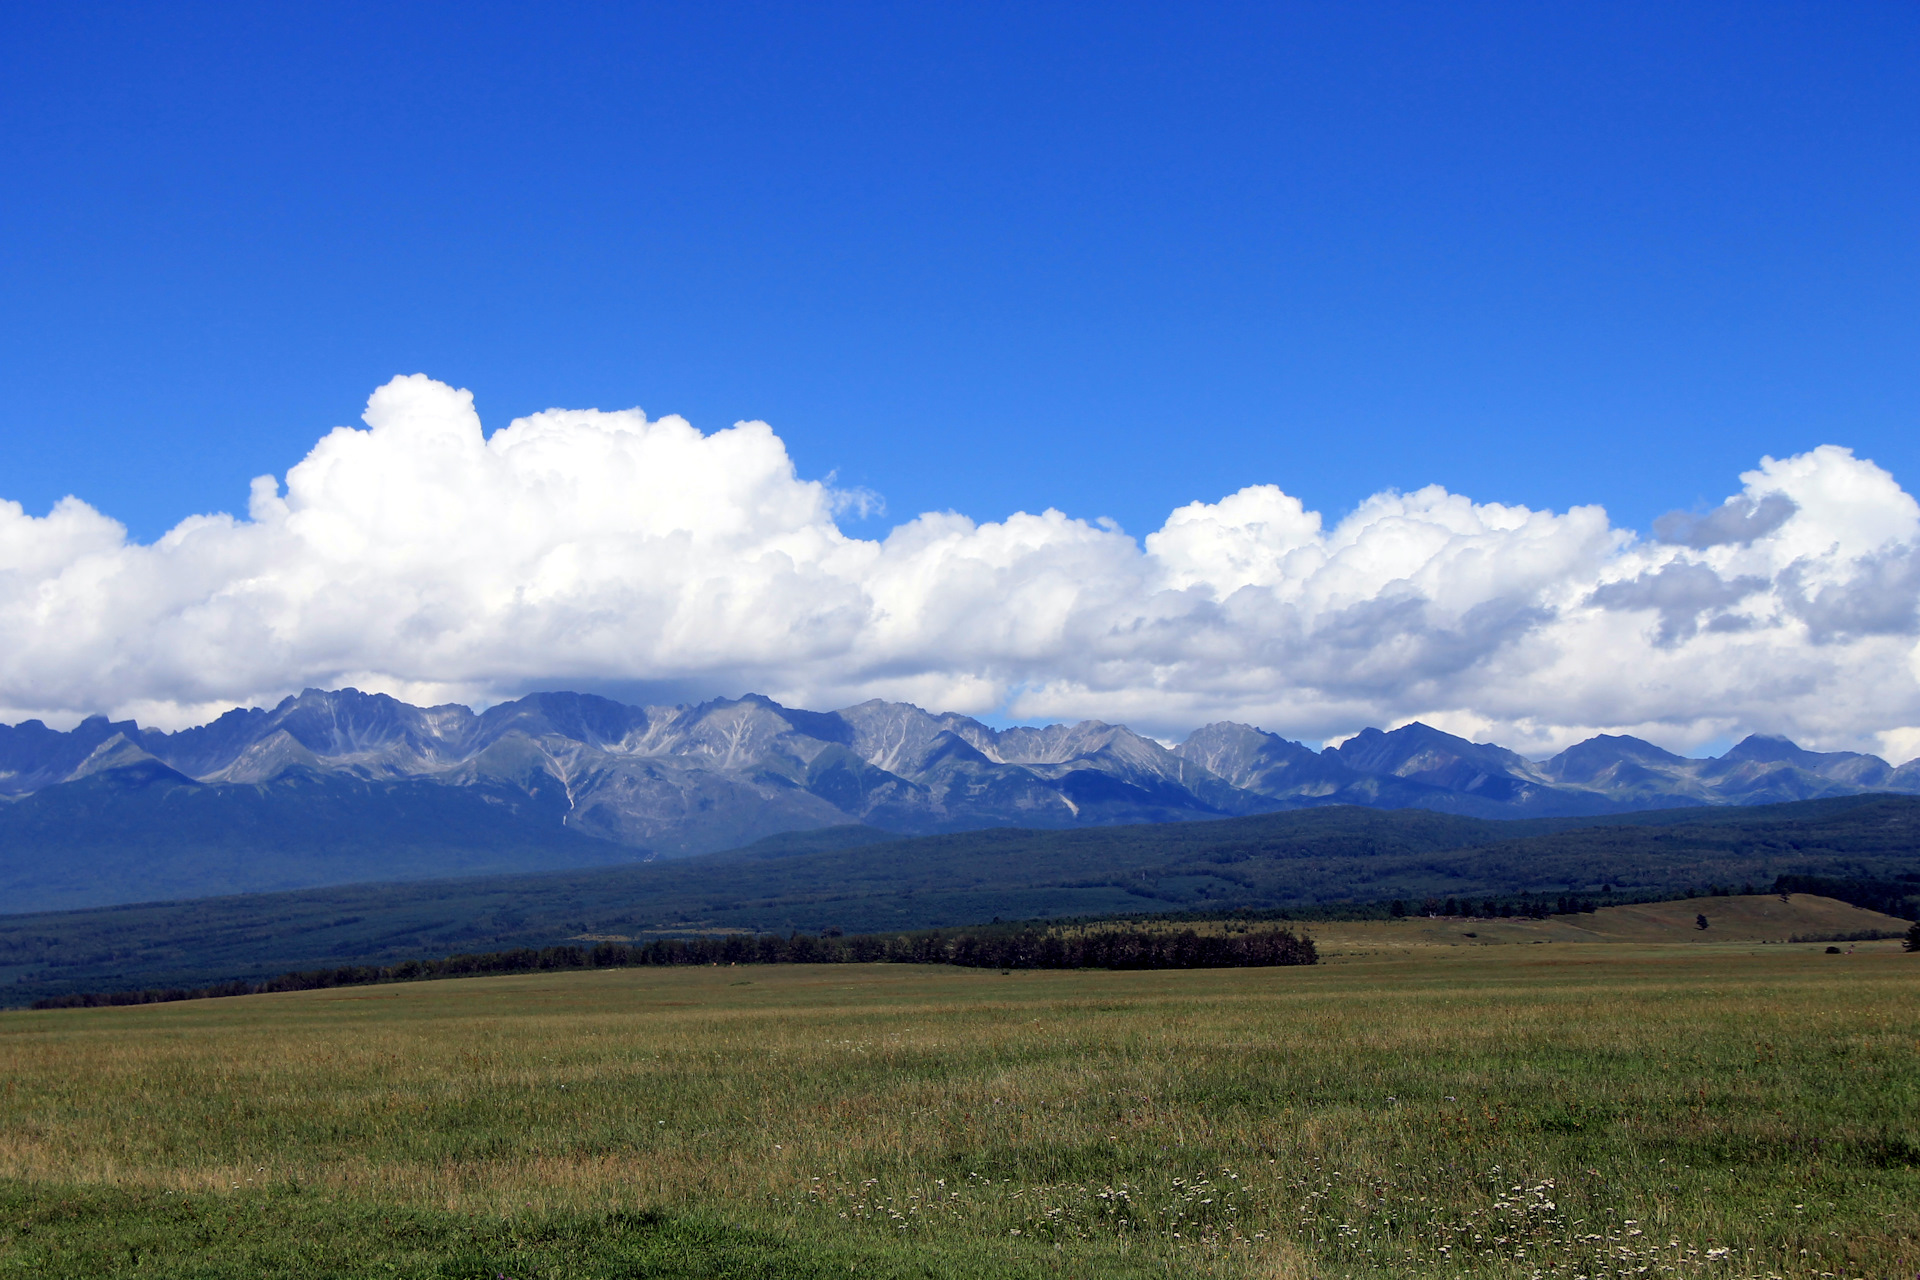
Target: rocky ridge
(674,781)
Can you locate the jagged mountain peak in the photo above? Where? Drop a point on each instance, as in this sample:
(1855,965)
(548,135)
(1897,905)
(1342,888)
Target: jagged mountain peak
(1231,736)
(33,756)
(115,752)
(1423,755)
(1229,730)
(1767,749)
(683,779)
(1418,747)
(896,735)
(266,758)
(374,731)
(1061,743)
(583,717)
(1772,748)
(345,721)
(738,733)
(1768,763)
(122,764)
(1590,760)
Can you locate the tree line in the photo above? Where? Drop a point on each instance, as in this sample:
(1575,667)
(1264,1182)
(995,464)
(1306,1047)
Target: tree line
(1525,907)
(1894,897)
(1125,948)
(1899,897)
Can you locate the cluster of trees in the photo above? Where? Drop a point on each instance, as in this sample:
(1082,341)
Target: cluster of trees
(1525,907)
(1895,897)
(1117,948)
(1134,949)
(155,995)
(1853,935)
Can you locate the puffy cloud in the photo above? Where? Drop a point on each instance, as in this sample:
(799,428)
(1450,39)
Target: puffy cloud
(1878,595)
(1737,521)
(1680,592)
(420,556)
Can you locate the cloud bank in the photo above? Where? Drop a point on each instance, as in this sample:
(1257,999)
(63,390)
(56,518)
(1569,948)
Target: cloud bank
(421,557)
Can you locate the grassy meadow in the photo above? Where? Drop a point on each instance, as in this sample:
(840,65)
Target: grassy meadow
(1751,918)
(1576,1109)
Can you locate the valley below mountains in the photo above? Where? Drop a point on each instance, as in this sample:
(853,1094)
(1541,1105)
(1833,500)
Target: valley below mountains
(339,787)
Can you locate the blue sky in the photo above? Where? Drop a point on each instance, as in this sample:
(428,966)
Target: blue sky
(1288,264)
(1106,258)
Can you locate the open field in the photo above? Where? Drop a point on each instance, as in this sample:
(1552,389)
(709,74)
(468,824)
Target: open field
(1577,1109)
(1763,918)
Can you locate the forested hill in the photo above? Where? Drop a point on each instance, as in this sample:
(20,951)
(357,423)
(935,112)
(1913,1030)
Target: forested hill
(861,880)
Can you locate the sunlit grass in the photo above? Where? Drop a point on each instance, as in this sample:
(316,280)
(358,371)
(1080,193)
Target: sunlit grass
(1506,1112)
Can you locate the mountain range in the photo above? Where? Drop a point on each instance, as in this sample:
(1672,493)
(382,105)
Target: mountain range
(334,787)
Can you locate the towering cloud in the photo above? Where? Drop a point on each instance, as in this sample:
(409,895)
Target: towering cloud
(422,557)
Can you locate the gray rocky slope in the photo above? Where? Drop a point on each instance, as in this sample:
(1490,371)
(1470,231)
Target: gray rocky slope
(673,781)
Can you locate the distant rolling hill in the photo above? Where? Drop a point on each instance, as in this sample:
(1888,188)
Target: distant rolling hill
(860,879)
(1734,918)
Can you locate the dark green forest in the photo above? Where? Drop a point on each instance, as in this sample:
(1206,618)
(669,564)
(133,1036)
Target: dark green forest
(1027,948)
(862,881)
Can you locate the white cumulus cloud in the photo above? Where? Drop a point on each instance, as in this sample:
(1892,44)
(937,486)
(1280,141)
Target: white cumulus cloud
(422,557)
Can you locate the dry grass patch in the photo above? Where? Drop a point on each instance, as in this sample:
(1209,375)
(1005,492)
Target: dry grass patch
(1565,1111)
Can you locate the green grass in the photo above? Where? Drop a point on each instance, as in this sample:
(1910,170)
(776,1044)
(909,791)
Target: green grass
(113,1233)
(1565,1110)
